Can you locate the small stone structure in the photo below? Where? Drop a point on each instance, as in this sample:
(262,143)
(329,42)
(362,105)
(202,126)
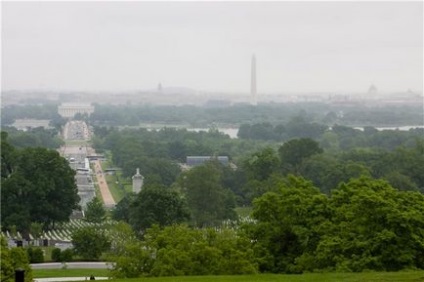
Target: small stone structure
(137,182)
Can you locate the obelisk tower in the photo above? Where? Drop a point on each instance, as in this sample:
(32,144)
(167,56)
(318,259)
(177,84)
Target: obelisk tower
(253,81)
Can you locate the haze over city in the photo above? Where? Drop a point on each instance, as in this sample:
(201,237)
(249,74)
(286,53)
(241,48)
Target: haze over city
(207,46)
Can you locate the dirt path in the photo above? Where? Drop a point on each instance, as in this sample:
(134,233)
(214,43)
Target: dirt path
(103,187)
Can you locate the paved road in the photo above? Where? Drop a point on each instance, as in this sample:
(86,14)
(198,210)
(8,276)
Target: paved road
(103,187)
(71,265)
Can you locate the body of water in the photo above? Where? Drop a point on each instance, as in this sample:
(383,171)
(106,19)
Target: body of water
(401,128)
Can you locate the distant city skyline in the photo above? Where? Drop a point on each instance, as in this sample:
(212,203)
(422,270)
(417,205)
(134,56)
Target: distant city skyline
(208,46)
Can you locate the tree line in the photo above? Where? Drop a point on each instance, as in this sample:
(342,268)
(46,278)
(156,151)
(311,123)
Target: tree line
(204,116)
(334,138)
(364,224)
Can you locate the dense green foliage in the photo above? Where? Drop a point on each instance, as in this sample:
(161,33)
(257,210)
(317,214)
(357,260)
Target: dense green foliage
(364,224)
(56,254)
(333,138)
(209,201)
(62,256)
(95,212)
(12,259)
(89,242)
(37,185)
(179,250)
(299,220)
(325,197)
(32,111)
(159,205)
(35,255)
(34,137)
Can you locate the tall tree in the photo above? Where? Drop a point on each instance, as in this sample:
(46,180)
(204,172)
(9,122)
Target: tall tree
(7,158)
(374,226)
(41,188)
(262,164)
(121,212)
(208,200)
(159,205)
(90,242)
(95,211)
(295,151)
(287,228)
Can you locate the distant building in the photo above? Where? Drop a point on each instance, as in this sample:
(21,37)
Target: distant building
(25,124)
(199,160)
(69,110)
(137,181)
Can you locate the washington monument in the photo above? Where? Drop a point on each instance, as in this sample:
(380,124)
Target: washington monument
(253,81)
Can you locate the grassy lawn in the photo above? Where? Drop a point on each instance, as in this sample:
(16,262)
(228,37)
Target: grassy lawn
(44,273)
(315,277)
(413,276)
(118,190)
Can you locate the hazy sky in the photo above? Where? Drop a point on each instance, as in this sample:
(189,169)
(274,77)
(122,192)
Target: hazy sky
(299,46)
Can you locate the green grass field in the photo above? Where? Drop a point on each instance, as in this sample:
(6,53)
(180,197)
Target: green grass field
(116,188)
(409,276)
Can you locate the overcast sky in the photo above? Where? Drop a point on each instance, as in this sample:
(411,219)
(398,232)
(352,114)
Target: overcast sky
(299,46)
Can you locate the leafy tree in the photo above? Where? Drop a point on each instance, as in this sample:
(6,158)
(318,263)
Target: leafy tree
(262,164)
(122,208)
(95,211)
(295,151)
(155,170)
(90,242)
(327,171)
(300,127)
(287,231)
(36,229)
(208,200)
(12,259)
(7,156)
(159,205)
(135,260)
(34,137)
(374,226)
(41,188)
(177,150)
(181,250)
(129,255)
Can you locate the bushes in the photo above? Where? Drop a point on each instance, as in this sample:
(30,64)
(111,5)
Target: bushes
(35,255)
(62,256)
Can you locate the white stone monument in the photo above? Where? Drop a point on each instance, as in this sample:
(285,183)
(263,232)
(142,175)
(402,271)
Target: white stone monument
(137,181)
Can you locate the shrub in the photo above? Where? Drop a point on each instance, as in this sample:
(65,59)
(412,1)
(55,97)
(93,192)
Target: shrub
(56,254)
(66,255)
(35,255)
